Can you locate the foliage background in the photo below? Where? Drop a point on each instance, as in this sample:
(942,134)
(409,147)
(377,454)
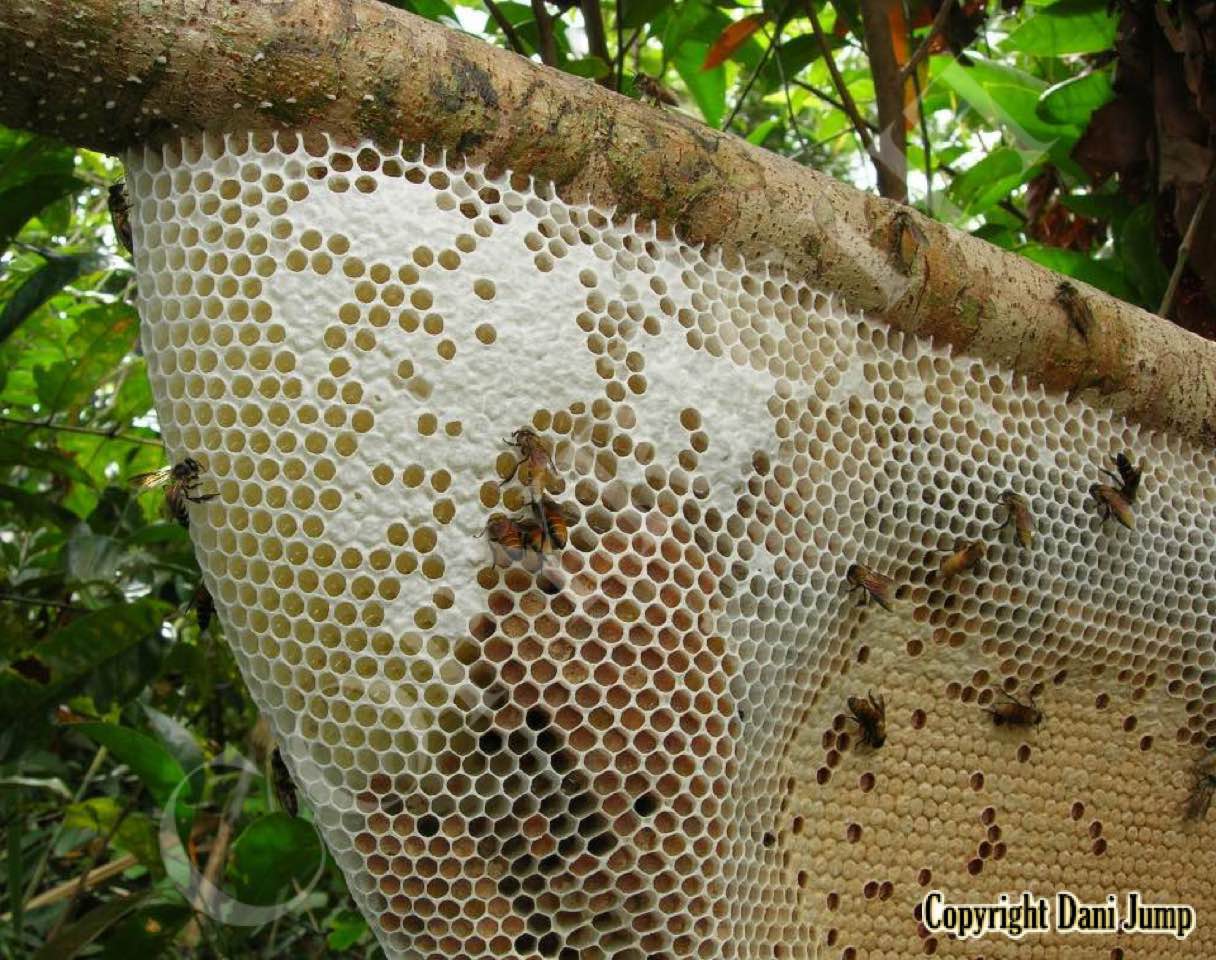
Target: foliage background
(1076,133)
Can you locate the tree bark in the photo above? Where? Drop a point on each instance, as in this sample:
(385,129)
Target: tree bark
(892,146)
(109,74)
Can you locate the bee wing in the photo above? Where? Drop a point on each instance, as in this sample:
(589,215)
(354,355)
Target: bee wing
(876,583)
(856,705)
(149,481)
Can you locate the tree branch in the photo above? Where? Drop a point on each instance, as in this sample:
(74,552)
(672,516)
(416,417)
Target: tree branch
(751,80)
(789,103)
(829,99)
(621,50)
(90,431)
(926,144)
(544,26)
(892,160)
(361,71)
(597,43)
(847,103)
(1184,248)
(919,54)
(90,879)
(507,29)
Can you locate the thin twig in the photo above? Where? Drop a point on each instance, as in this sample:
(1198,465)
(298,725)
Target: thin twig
(80,885)
(91,879)
(597,45)
(847,103)
(620,47)
(1184,248)
(36,877)
(773,43)
(620,54)
(828,99)
(926,148)
(939,22)
(544,27)
(37,602)
(90,431)
(789,103)
(505,26)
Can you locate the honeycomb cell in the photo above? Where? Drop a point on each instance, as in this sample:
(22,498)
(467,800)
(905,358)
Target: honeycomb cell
(630,734)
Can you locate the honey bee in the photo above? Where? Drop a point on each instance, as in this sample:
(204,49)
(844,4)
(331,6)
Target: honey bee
(515,538)
(204,607)
(870,715)
(120,214)
(964,558)
(1014,713)
(535,454)
(649,88)
(874,585)
(1079,314)
(1018,513)
(180,482)
(1200,800)
(1112,502)
(1128,476)
(284,789)
(908,239)
(506,539)
(556,527)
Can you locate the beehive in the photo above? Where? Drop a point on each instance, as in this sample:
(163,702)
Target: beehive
(638,745)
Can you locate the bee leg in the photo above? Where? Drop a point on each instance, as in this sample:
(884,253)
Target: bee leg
(202,498)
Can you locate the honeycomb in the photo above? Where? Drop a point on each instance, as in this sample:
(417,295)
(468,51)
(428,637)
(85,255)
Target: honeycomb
(638,744)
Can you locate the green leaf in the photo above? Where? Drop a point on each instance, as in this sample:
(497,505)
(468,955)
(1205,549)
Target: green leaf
(347,928)
(180,742)
(88,928)
(37,505)
(1071,26)
(58,271)
(106,333)
(850,12)
(1072,101)
(146,933)
(1008,98)
(18,204)
(1111,208)
(17,451)
(431,9)
(990,181)
(591,67)
(270,854)
(638,13)
(795,56)
(27,157)
(89,557)
(1136,248)
(134,397)
(75,652)
(148,758)
(708,87)
(136,833)
(1101,274)
(761,131)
